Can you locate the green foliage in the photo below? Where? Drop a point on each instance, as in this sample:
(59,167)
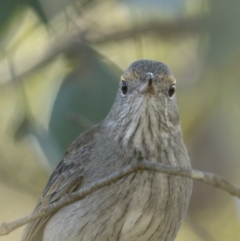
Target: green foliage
(88,91)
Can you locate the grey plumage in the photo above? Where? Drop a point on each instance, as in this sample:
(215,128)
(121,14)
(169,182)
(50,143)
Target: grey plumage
(143,206)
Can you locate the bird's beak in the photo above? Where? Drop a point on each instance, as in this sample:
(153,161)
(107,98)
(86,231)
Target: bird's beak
(148,86)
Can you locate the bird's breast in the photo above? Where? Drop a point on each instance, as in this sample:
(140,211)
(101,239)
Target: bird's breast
(145,206)
(144,130)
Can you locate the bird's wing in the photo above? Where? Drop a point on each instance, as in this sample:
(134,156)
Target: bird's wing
(66,178)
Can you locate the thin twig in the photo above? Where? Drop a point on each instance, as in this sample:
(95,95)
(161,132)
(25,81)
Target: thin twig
(209,178)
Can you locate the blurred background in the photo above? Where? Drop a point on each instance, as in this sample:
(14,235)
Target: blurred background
(60,62)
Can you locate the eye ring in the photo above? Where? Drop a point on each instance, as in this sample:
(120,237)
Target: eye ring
(171,91)
(124,88)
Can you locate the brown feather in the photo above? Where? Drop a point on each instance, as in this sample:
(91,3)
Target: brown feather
(66,178)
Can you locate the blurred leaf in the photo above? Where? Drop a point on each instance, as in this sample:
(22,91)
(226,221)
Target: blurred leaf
(46,9)
(89,90)
(36,5)
(44,138)
(7,9)
(225,35)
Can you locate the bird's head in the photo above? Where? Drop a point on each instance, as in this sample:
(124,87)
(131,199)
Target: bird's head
(147,91)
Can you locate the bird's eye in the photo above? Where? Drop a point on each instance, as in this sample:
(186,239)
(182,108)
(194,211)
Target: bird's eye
(171,91)
(124,87)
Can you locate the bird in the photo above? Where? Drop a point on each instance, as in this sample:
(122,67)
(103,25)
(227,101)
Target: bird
(143,206)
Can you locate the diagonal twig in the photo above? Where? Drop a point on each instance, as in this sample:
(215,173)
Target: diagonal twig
(209,178)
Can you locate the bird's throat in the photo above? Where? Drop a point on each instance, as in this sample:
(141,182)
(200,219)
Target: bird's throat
(143,129)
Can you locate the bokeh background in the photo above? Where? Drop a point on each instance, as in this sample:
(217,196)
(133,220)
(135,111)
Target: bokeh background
(60,62)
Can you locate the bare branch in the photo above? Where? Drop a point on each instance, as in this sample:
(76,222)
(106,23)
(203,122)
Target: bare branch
(209,178)
(164,30)
(168,29)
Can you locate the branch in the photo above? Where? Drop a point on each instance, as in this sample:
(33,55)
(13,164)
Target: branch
(209,178)
(69,40)
(164,30)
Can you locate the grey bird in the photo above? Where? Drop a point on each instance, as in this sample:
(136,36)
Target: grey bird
(144,206)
